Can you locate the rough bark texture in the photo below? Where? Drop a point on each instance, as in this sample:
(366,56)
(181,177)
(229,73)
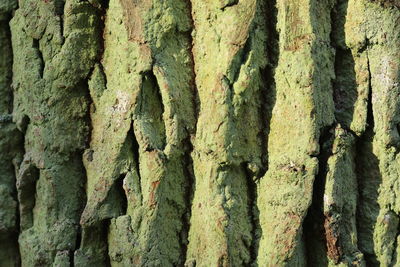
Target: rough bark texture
(199,133)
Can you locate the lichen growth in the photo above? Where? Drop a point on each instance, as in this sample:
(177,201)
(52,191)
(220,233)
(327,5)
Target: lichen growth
(199,133)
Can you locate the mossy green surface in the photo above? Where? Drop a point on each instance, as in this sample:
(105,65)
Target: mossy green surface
(142,92)
(10,145)
(229,46)
(303,107)
(199,133)
(51,107)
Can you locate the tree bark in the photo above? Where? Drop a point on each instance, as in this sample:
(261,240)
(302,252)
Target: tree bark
(199,133)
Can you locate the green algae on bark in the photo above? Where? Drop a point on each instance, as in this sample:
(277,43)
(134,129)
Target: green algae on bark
(227,152)
(198,133)
(10,146)
(146,100)
(51,107)
(302,109)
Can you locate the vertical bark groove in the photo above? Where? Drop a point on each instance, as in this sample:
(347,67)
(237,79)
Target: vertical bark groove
(253,214)
(11,145)
(319,242)
(268,94)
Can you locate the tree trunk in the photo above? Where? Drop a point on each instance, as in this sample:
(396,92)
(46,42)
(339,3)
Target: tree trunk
(199,133)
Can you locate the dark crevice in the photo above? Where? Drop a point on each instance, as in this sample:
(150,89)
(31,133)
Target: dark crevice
(105,4)
(118,191)
(23,124)
(11,102)
(104,233)
(26,185)
(394,248)
(253,213)
(134,147)
(84,87)
(151,110)
(102,13)
(229,3)
(104,74)
(396,243)
(268,91)
(71,258)
(150,80)
(35,45)
(17,143)
(78,239)
(267,96)
(273,34)
(59,11)
(17,162)
(370,114)
(59,7)
(369,180)
(196,100)
(94,247)
(189,193)
(322,236)
(345,95)
(188,145)
(9,59)
(313,225)
(124,199)
(344,85)
(364,47)
(15,234)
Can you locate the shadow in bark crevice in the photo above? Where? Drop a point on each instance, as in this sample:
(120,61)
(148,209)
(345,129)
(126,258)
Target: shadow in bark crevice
(36,46)
(253,212)
(94,248)
(344,85)
(190,189)
(369,180)
(267,94)
(344,95)
(149,114)
(313,225)
(26,186)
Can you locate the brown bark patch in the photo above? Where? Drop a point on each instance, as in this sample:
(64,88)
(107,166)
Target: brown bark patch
(133,13)
(154,186)
(334,250)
